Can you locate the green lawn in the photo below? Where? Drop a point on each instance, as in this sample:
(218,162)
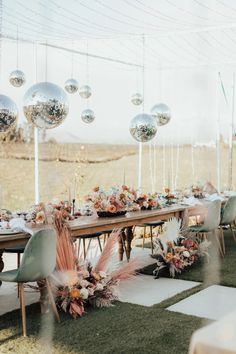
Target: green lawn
(124,328)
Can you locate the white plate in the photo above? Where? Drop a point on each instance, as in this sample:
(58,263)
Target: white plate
(9,231)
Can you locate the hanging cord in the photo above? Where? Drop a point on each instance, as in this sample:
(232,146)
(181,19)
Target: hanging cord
(87,72)
(72,61)
(35,61)
(143,73)
(46,61)
(17,47)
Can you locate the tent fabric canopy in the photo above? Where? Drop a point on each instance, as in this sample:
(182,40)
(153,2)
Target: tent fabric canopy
(177,33)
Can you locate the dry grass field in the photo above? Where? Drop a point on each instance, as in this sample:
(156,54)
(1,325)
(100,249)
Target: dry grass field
(81,167)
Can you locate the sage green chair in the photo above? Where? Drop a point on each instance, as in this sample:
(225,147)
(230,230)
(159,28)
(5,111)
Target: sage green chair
(211,224)
(228,215)
(38,263)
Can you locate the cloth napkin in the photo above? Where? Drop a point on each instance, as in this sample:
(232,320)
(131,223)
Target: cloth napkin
(213,197)
(191,201)
(17,223)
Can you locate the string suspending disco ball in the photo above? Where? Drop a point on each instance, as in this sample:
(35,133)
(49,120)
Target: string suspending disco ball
(85,91)
(88,116)
(45,105)
(143,127)
(137,99)
(8,113)
(71,85)
(17,78)
(161,112)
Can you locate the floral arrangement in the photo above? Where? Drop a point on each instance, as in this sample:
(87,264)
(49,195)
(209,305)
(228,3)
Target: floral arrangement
(80,285)
(148,201)
(174,252)
(64,207)
(37,214)
(5,215)
(169,196)
(197,191)
(113,200)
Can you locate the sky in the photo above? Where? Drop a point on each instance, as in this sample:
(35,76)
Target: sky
(174,73)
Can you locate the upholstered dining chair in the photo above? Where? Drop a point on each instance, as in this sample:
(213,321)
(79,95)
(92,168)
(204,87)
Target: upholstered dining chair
(211,224)
(38,263)
(228,216)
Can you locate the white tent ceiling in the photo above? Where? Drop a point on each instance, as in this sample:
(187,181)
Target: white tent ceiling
(177,33)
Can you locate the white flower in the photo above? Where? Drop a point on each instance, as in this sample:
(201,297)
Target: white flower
(99,287)
(186,254)
(91,291)
(102,274)
(84,293)
(84,283)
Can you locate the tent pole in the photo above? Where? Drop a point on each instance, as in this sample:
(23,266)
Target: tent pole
(230,171)
(36,165)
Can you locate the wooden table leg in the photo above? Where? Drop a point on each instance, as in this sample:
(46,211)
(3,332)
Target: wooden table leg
(1,263)
(121,243)
(129,238)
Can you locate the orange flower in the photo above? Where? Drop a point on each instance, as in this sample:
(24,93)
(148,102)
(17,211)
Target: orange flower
(96,276)
(169,256)
(96,189)
(40,217)
(111,208)
(41,205)
(125,188)
(122,196)
(74,293)
(97,204)
(167,190)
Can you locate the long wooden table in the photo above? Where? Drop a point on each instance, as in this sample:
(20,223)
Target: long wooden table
(93,224)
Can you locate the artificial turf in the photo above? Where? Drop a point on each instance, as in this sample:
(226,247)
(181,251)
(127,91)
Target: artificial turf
(124,328)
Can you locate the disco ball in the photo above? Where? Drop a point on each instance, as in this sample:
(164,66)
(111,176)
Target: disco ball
(17,78)
(143,127)
(137,99)
(85,91)
(88,116)
(8,113)
(161,112)
(45,105)
(71,85)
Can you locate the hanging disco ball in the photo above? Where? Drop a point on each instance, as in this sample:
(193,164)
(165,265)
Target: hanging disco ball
(71,85)
(85,91)
(88,116)
(161,112)
(45,105)
(137,99)
(17,78)
(143,127)
(8,113)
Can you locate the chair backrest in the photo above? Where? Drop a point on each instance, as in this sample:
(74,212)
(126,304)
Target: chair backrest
(229,211)
(39,258)
(212,219)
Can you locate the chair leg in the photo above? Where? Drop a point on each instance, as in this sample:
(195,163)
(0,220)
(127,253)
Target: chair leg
(99,243)
(79,247)
(216,234)
(18,265)
(232,230)
(51,299)
(22,306)
(84,249)
(222,239)
(151,238)
(144,235)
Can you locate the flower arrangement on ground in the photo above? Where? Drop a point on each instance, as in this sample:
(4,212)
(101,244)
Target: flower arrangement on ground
(114,200)
(174,252)
(80,285)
